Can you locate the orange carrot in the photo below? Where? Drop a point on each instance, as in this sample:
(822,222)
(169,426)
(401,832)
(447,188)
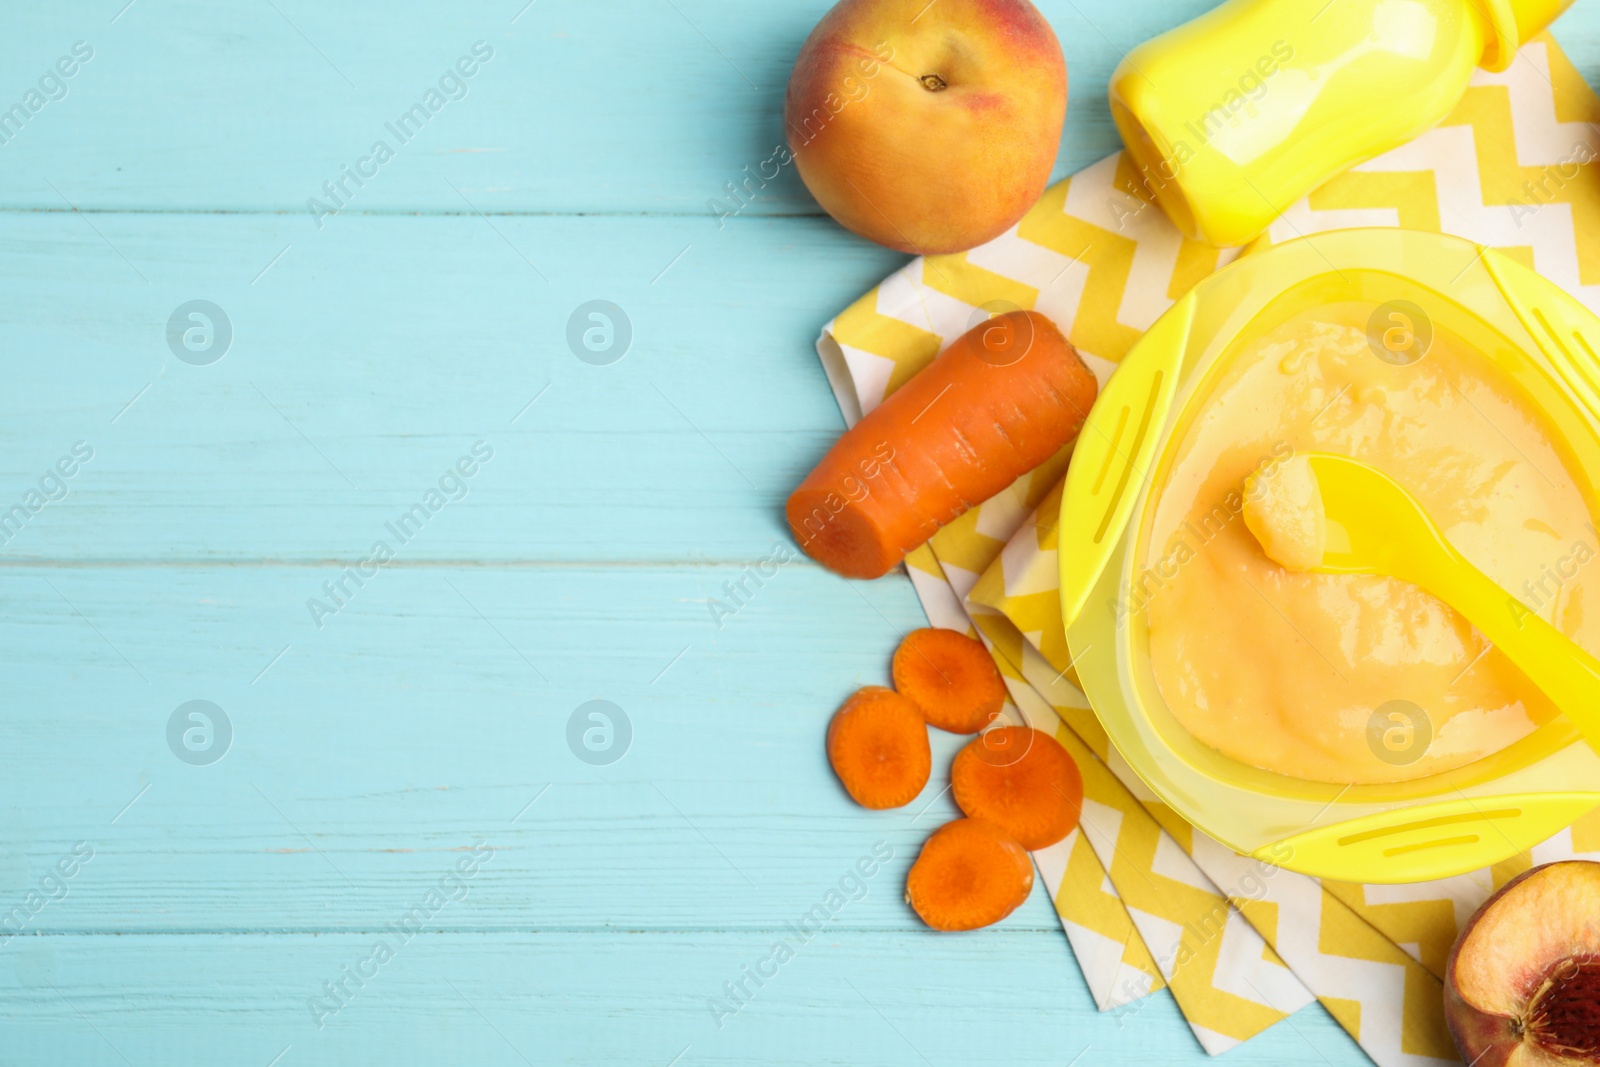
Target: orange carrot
(1002,399)
(951,677)
(970,874)
(1022,780)
(878,745)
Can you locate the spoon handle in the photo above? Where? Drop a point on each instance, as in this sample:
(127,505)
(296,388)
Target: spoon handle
(1566,673)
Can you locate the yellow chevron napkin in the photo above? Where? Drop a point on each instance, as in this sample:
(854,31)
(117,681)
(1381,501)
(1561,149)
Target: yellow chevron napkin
(1146,901)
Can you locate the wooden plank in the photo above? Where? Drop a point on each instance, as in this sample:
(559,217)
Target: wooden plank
(846,997)
(370,359)
(430,712)
(626,106)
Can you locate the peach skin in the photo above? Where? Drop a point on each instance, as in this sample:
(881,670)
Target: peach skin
(927,127)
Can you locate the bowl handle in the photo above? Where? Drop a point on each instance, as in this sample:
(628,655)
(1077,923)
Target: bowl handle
(1112,459)
(1427,841)
(1565,331)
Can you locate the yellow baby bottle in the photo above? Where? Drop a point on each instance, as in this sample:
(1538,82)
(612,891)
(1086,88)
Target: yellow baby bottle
(1232,117)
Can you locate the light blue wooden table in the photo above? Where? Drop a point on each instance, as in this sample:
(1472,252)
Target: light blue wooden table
(395,763)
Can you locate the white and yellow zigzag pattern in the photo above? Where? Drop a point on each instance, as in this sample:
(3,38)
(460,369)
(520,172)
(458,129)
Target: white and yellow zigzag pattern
(1138,912)
(1117,966)
(1136,885)
(1110,286)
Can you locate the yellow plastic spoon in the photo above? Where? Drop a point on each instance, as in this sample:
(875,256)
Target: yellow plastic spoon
(1371,525)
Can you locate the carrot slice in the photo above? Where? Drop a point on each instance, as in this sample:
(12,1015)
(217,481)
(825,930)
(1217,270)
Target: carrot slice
(969,874)
(1022,780)
(1002,399)
(951,677)
(878,745)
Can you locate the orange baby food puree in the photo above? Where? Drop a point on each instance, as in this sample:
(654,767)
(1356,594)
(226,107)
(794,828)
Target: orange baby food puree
(1289,671)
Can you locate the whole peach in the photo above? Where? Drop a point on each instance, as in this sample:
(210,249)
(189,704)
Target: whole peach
(927,125)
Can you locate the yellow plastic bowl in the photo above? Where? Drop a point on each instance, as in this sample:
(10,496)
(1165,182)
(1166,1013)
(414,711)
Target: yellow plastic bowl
(1431,827)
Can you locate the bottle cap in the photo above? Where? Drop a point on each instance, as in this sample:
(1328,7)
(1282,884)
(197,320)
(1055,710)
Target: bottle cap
(1513,22)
